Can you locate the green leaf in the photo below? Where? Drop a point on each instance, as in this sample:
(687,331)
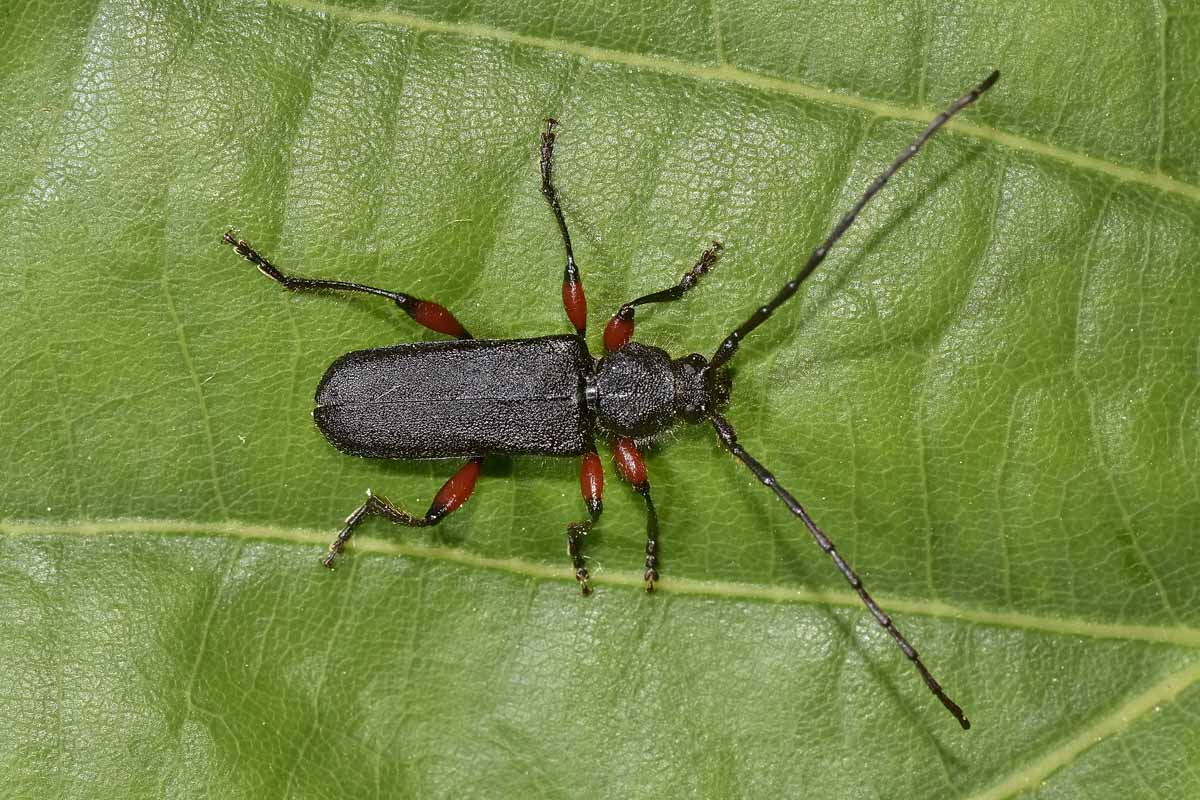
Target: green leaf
(989,396)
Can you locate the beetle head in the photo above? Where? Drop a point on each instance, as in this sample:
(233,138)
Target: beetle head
(700,392)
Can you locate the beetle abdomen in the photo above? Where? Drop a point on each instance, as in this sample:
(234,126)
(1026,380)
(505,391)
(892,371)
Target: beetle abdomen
(457,399)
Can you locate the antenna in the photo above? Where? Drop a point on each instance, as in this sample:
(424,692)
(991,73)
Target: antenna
(730,345)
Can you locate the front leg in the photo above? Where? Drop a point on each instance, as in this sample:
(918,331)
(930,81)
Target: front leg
(619,329)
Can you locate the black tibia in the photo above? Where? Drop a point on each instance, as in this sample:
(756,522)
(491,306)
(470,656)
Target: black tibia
(550,193)
(727,348)
(424,312)
(690,278)
(575,533)
(729,439)
(651,573)
(573,299)
(450,497)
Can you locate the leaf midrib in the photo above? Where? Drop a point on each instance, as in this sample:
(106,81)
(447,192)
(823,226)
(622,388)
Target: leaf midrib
(727,73)
(1181,636)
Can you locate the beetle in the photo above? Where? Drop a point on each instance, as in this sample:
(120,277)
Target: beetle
(473,398)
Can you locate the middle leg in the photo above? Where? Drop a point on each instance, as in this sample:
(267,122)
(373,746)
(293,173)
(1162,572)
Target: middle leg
(572,288)
(633,470)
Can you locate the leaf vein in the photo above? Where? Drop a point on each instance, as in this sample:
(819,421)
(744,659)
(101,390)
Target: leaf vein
(1118,720)
(729,74)
(1180,635)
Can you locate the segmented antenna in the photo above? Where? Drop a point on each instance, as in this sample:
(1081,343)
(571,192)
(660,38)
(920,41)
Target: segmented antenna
(730,345)
(729,438)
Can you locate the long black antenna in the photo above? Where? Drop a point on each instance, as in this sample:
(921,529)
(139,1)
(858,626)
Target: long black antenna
(730,345)
(729,438)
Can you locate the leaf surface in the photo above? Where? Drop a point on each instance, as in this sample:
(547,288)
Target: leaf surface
(989,396)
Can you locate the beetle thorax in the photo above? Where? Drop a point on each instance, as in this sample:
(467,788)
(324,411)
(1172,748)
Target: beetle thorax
(640,391)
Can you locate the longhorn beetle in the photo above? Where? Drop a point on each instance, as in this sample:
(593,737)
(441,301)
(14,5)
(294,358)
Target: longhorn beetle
(472,398)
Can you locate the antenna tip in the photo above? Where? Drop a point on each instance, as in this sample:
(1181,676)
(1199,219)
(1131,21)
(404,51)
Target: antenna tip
(989,80)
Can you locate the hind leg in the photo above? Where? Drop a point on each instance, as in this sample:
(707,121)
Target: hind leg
(449,498)
(423,312)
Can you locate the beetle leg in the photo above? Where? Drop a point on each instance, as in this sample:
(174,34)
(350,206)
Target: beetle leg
(633,469)
(424,312)
(619,329)
(450,497)
(591,483)
(572,289)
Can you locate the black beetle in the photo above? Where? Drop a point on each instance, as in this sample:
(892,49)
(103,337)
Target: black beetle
(548,396)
